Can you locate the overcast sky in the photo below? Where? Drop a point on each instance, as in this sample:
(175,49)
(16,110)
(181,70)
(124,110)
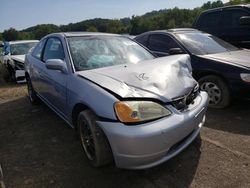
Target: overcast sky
(21,14)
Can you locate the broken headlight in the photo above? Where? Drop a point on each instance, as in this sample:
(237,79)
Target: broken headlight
(245,77)
(139,111)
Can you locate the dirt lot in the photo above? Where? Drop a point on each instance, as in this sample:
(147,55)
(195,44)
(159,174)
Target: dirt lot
(37,149)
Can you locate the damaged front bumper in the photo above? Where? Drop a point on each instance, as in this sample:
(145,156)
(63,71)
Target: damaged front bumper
(19,71)
(20,76)
(16,70)
(150,144)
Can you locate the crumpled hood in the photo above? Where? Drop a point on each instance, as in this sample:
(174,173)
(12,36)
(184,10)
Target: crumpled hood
(240,57)
(19,58)
(162,78)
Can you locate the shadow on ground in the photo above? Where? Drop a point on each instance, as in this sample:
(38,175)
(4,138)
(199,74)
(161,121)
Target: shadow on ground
(234,119)
(39,150)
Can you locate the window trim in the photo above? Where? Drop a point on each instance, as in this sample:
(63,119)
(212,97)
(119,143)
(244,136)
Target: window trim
(40,59)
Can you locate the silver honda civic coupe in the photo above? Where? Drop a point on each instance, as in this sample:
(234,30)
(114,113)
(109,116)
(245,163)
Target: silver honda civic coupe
(125,104)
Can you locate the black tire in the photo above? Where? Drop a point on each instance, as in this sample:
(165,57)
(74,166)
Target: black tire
(33,98)
(12,73)
(217,89)
(94,142)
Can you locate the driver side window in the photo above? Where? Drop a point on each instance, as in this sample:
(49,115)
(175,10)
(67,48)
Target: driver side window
(53,50)
(161,43)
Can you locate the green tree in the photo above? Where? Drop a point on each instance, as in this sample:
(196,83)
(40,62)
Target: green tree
(236,2)
(10,34)
(214,4)
(40,31)
(92,29)
(26,36)
(171,24)
(114,26)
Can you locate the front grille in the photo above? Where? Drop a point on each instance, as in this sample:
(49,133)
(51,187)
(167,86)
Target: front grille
(182,103)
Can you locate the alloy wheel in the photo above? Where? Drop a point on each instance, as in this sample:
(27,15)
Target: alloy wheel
(87,140)
(214,92)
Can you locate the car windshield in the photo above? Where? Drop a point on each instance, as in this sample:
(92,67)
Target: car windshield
(201,43)
(21,48)
(93,52)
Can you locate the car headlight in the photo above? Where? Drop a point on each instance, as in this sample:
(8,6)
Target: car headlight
(245,77)
(139,111)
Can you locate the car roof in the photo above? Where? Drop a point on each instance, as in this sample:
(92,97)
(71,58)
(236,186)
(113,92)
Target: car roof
(81,34)
(227,7)
(175,31)
(22,41)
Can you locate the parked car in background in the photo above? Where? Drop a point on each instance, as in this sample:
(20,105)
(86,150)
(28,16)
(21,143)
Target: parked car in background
(230,23)
(1,52)
(118,96)
(13,58)
(222,69)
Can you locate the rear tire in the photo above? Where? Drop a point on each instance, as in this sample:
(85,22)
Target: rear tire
(93,139)
(217,89)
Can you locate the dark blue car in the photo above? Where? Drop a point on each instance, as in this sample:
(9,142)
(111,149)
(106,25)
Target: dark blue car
(222,69)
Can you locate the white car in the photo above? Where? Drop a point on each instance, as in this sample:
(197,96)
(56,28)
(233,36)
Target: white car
(14,55)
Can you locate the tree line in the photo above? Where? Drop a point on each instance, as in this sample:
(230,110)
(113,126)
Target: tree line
(155,20)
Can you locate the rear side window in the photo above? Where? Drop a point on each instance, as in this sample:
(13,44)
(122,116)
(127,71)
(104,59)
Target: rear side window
(37,52)
(211,19)
(161,43)
(53,49)
(231,18)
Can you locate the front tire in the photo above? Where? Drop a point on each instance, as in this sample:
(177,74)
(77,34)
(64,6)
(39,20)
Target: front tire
(93,140)
(217,89)
(33,98)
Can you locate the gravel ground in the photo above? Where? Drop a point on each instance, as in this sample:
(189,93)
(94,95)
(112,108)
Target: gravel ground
(37,149)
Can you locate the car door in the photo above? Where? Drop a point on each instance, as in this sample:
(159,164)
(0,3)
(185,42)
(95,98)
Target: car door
(160,44)
(36,66)
(54,82)
(232,30)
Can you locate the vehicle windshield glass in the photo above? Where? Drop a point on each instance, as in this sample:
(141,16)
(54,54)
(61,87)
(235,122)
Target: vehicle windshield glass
(21,48)
(93,52)
(202,44)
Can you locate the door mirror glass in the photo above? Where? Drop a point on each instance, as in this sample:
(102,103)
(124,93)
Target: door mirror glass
(245,20)
(174,51)
(56,64)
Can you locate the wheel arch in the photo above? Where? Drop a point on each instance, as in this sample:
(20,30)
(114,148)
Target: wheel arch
(79,107)
(199,75)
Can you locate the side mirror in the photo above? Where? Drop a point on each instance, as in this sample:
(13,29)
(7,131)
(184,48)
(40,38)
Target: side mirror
(245,20)
(174,51)
(56,64)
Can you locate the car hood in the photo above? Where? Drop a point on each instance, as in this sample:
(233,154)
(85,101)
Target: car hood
(164,78)
(19,58)
(240,57)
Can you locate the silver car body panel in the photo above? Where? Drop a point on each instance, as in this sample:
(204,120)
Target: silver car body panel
(159,80)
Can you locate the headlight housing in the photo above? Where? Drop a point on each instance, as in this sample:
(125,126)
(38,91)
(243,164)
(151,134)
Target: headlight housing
(139,111)
(245,77)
